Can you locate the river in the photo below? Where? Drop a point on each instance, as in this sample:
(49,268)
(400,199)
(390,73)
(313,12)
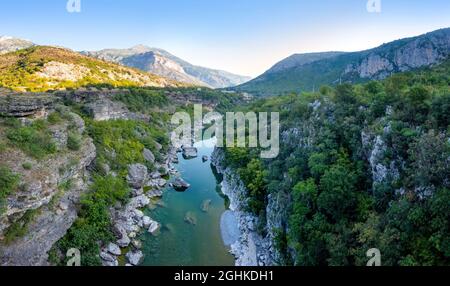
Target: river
(180,243)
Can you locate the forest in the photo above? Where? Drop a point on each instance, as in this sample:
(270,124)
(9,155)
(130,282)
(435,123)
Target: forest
(360,166)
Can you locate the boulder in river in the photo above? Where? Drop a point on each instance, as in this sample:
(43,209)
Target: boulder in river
(153,227)
(190,218)
(180,185)
(205,205)
(189,152)
(205,159)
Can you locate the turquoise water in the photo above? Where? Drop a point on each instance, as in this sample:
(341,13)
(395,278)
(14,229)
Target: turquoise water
(183,244)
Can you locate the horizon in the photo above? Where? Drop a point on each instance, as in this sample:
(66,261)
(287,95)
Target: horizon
(261,34)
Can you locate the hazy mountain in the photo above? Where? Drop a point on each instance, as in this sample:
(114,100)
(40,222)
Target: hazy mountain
(297,60)
(163,63)
(310,71)
(10,44)
(42,68)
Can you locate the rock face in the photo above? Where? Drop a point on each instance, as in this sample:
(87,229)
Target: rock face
(426,50)
(24,105)
(229,227)
(105,109)
(52,220)
(63,72)
(148,156)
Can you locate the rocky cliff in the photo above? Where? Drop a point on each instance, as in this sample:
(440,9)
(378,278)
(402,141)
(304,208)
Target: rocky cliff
(408,54)
(251,248)
(44,206)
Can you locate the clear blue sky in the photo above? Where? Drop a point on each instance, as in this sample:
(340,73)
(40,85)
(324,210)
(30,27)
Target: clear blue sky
(241,36)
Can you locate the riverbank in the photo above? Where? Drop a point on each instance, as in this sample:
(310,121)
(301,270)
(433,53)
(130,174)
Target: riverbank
(248,247)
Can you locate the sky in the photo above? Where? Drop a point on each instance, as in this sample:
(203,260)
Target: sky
(241,36)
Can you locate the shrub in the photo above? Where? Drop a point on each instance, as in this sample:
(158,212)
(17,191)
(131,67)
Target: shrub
(74,142)
(8,183)
(34,140)
(27,166)
(54,118)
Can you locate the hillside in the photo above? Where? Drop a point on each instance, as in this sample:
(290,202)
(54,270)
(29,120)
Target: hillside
(292,75)
(43,68)
(360,166)
(163,63)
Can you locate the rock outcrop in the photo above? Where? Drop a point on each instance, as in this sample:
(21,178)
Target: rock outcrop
(55,211)
(427,50)
(26,105)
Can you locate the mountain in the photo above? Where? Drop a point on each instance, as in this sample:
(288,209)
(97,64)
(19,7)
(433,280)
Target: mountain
(10,44)
(297,60)
(41,68)
(163,63)
(309,71)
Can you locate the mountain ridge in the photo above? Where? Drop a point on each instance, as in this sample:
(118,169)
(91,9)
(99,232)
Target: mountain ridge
(161,62)
(378,63)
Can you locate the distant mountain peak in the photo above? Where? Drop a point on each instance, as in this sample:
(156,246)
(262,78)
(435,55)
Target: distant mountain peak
(11,44)
(163,63)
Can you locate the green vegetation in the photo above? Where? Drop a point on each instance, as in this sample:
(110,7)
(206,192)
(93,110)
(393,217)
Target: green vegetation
(143,100)
(35,140)
(119,143)
(27,166)
(8,183)
(336,211)
(94,224)
(74,141)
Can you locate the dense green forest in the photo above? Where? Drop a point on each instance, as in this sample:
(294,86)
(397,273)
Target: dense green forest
(360,167)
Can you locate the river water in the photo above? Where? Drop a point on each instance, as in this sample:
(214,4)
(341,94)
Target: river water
(199,243)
